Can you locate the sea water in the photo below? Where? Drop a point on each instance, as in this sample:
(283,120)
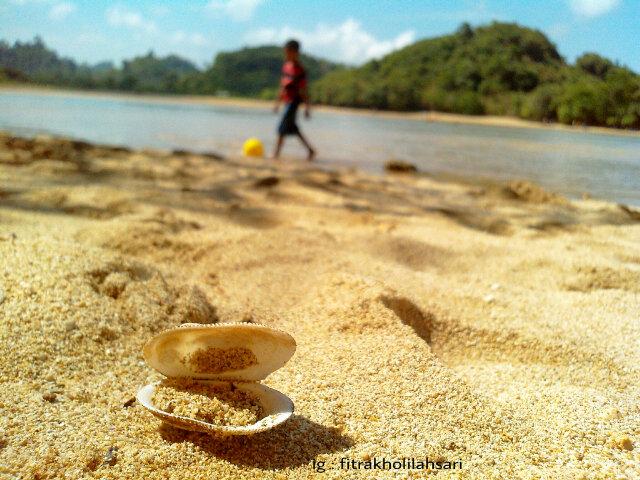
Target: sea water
(570,162)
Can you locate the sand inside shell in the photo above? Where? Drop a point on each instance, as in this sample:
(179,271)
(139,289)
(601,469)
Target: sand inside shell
(223,405)
(219,360)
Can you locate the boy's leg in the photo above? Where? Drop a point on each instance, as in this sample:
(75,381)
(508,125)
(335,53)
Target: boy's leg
(305,142)
(279,142)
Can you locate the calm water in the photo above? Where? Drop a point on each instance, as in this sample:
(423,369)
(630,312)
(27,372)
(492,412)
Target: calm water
(569,162)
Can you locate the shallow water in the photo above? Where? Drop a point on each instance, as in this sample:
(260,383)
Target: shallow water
(605,166)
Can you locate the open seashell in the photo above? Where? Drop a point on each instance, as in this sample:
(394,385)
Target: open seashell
(229,356)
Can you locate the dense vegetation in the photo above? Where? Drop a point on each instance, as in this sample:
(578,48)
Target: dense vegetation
(34,62)
(252,72)
(499,69)
(247,72)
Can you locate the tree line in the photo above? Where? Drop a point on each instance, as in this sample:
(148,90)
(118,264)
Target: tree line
(496,69)
(251,72)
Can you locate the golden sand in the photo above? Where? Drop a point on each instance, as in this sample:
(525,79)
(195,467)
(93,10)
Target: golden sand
(219,360)
(433,319)
(219,405)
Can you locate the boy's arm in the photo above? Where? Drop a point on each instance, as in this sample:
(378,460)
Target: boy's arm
(307,103)
(276,105)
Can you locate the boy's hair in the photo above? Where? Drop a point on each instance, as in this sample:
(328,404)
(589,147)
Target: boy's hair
(293,45)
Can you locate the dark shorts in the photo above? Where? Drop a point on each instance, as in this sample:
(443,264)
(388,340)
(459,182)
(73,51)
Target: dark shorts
(288,125)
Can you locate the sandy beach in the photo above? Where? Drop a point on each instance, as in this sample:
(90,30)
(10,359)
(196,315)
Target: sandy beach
(492,325)
(432,116)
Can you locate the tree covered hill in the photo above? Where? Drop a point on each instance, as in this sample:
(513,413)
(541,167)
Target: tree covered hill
(247,72)
(33,60)
(500,69)
(254,71)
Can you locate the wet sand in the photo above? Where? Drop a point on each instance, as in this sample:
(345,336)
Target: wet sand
(493,325)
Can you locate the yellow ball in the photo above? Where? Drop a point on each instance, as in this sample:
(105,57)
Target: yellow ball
(253,148)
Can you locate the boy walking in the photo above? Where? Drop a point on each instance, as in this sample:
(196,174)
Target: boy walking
(293,92)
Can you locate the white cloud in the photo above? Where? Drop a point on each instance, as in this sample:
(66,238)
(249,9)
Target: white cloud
(593,8)
(192,39)
(61,10)
(239,10)
(122,17)
(347,42)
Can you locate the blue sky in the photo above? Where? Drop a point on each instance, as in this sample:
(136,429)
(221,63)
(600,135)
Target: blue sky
(349,31)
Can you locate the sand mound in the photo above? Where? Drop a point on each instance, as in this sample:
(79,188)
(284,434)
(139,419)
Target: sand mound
(530,192)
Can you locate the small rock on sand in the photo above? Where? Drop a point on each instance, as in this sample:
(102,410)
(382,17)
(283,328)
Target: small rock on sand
(2,296)
(400,166)
(266,182)
(70,326)
(212,155)
(111,457)
(50,395)
(489,298)
(51,390)
(181,153)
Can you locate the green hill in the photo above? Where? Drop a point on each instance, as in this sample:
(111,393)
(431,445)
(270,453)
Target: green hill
(500,69)
(255,71)
(35,62)
(149,73)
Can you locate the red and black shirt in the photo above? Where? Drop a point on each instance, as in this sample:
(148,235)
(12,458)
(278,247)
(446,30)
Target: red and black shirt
(292,82)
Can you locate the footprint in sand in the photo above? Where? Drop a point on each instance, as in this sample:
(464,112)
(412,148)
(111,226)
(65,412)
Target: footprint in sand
(409,313)
(414,254)
(467,349)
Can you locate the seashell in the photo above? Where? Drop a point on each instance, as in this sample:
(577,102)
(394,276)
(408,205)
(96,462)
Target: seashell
(231,355)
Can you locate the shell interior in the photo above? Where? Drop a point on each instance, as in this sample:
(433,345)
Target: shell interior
(243,352)
(276,407)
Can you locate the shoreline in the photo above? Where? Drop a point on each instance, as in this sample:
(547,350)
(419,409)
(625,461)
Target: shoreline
(467,180)
(434,117)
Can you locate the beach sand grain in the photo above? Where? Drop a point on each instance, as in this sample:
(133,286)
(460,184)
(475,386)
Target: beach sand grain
(433,319)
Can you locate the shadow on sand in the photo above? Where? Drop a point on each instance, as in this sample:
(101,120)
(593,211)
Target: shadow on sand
(295,443)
